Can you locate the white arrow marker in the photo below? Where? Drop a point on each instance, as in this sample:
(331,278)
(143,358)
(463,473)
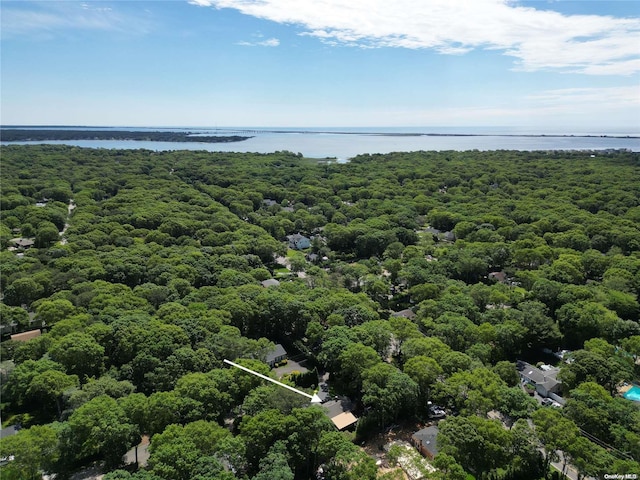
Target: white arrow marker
(314,398)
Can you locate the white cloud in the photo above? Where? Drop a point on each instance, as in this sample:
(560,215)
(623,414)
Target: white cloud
(538,39)
(626,96)
(201,3)
(272,42)
(51,17)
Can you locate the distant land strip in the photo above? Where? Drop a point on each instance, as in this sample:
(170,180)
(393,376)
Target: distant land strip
(19,135)
(427,134)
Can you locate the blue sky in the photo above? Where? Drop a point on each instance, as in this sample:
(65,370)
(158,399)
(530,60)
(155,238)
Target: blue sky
(543,64)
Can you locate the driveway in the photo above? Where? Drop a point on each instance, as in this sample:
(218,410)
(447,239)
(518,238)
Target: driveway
(290,367)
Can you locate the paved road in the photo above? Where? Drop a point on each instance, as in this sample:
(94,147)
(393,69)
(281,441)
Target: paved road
(571,472)
(143,453)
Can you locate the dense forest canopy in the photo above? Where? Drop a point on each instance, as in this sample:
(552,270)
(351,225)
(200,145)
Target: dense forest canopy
(145,270)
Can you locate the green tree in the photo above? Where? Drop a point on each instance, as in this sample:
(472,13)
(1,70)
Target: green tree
(274,465)
(16,387)
(542,331)
(424,371)
(34,452)
(555,431)
(478,444)
(46,234)
(590,366)
(99,427)
(23,291)
(48,387)
(584,320)
(449,468)
(260,432)
(52,311)
(516,404)
(178,451)
(80,354)
(354,360)
(13,315)
(475,392)
(507,372)
(424,346)
(390,393)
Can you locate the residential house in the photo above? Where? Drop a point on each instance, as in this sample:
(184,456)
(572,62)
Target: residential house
(271,282)
(25,336)
(543,378)
(406,313)
(276,355)
(500,277)
(23,243)
(339,412)
(425,441)
(7,432)
(298,242)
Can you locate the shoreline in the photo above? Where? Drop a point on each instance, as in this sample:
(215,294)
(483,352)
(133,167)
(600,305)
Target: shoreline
(11,135)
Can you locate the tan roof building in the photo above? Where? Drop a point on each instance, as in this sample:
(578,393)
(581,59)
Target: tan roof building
(339,412)
(23,337)
(344,420)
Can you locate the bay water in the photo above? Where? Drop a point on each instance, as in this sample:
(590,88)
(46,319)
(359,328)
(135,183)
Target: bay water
(345,143)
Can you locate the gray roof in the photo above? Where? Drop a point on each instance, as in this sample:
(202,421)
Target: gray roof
(23,242)
(499,276)
(296,237)
(406,313)
(549,384)
(539,377)
(427,438)
(7,432)
(532,374)
(336,407)
(278,351)
(271,282)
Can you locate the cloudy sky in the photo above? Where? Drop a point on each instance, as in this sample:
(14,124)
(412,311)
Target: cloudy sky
(318,63)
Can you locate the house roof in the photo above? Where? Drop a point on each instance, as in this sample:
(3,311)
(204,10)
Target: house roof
(336,407)
(296,237)
(533,374)
(23,242)
(278,351)
(344,420)
(537,376)
(449,236)
(339,411)
(271,282)
(23,337)
(406,313)
(427,438)
(499,276)
(549,384)
(7,432)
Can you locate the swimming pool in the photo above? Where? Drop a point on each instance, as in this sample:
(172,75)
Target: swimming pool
(633,394)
